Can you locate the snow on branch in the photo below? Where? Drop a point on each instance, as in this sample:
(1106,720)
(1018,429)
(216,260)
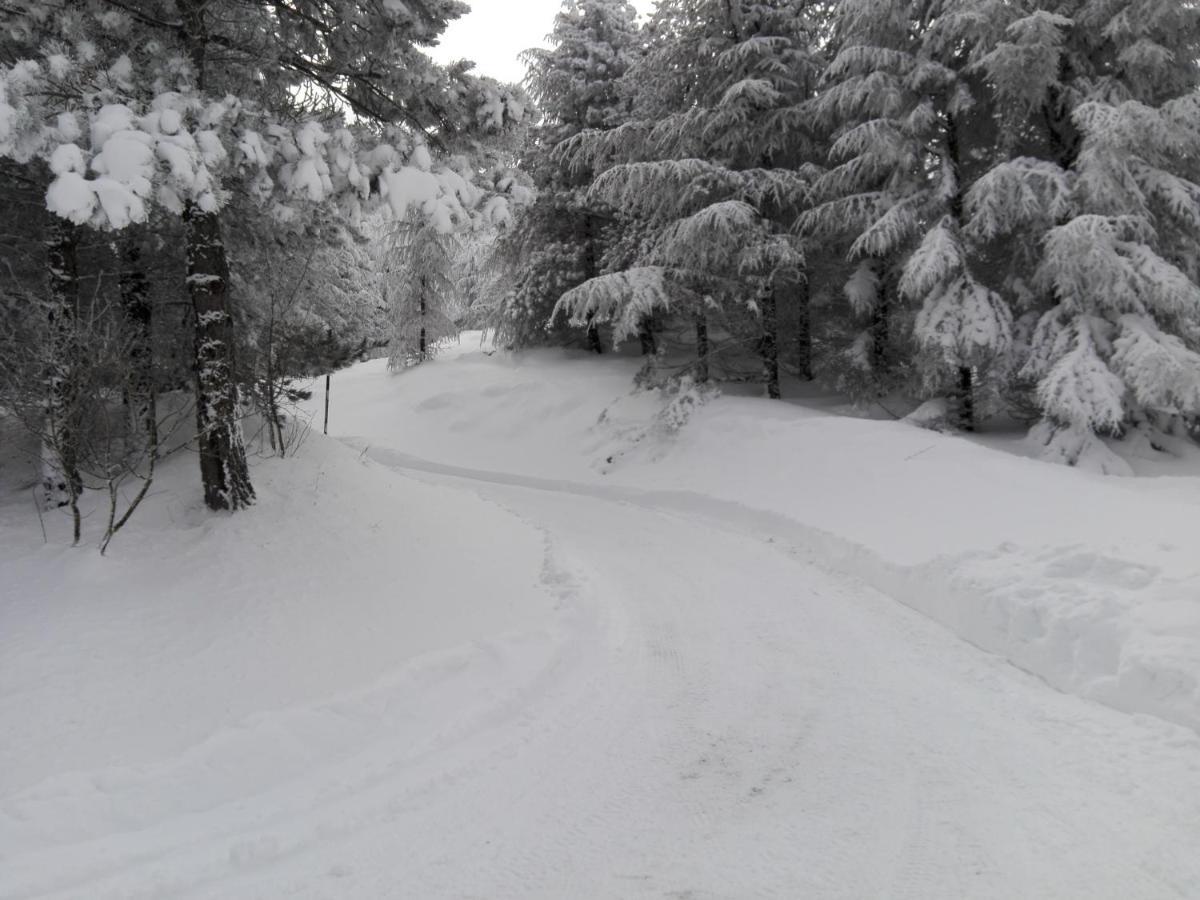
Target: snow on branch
(937,260)
(842,214)
(888,233)
(662,187)
(1023,193)
(1162,373)
(1080,389)
(757,92)
(1107,263)
(621,299)
(713,237)
(964,324)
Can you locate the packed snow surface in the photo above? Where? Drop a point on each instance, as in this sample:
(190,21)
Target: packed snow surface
(534,635)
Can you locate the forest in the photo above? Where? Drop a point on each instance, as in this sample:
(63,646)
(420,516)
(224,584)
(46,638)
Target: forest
(750,449)
(983,210)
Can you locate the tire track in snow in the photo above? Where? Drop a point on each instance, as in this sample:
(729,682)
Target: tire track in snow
(966,817)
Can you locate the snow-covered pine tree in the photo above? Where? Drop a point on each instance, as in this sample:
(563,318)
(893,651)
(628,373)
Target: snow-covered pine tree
(420,292)
(707,168)
(1097,214)
(963,326)
(559,241)
(912,130)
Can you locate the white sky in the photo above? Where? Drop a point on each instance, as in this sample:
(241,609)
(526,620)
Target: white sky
(496,31)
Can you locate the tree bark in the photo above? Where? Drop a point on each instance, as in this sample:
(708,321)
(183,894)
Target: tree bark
(880,330)
(646,337)
(966,400)
(804,349)
(591,268)
(593,336)
(223,468)
(769,344)
(135,299)
(60,455)
(701,348)
(421,339)
(964,388)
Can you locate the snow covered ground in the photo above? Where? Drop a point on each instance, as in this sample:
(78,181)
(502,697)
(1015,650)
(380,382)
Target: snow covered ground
(1090,582)
(501,646)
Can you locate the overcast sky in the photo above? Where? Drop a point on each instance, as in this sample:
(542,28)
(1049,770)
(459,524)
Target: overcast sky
(496,31)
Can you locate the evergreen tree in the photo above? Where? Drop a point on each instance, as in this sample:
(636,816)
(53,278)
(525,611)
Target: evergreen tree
(1095,212)
(913,131)
(709,168)
(420,292)
(561,239)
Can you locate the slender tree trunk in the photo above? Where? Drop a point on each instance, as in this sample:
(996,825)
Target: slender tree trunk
(135,299)
(591,268)
(966,400)
(423,310)
(769,345)
(646,337)
(269,388)
(701,348)
(964,388)
(804,349)
(325,426)
(60,453)
(593,336)
(881,326)
(223,467)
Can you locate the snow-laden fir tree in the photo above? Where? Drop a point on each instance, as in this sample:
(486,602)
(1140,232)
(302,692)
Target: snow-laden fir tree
(1096,212)
(420,291)
(707,169)
(913,130)
(559,241)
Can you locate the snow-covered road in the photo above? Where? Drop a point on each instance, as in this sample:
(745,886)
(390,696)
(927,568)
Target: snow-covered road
(735,723)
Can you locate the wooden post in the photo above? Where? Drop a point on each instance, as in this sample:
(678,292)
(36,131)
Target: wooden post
(325,430)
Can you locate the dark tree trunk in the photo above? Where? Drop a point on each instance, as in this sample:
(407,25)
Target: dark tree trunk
(769,344)
(60,477)
(135,298)
(593,336)
(804,349)
(423,309)
(646,337)
(701,348)
(223,468)
(591,268)
(965,400)
(881,327)
(964,389)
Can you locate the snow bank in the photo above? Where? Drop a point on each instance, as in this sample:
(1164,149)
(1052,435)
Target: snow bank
(1088,582)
